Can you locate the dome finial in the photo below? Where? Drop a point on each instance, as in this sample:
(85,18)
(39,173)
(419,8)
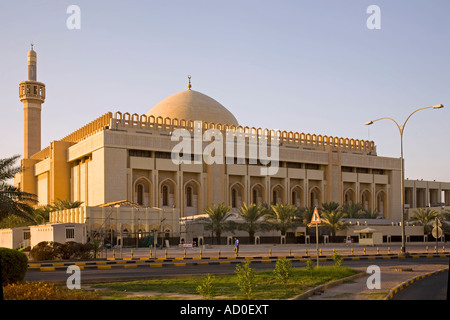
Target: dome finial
(189,85)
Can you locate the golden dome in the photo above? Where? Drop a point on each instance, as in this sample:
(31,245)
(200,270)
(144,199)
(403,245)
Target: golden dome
(193,105)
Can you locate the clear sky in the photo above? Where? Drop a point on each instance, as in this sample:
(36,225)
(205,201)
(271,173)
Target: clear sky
(306,66)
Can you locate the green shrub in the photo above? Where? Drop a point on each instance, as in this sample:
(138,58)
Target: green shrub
(246,278)
(310,266)
(337,258)
(73,250)
(66,251)
(205,288)
(44,250)
(40,290)
(283,269)
(14,265)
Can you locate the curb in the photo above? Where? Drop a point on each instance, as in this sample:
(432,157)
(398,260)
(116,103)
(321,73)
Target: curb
(328,285)
(182,262)
(409,282)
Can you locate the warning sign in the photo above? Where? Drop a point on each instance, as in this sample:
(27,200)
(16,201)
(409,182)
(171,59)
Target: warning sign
(315,217)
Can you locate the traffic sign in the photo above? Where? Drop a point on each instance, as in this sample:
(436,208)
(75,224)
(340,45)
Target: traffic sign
(436,232)
(315,217)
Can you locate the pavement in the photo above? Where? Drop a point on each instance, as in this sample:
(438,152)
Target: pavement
(393,278)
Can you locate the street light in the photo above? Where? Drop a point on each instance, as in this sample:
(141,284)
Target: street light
(401,128)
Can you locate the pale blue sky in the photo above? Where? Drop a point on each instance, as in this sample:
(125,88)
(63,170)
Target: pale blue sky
(307,66)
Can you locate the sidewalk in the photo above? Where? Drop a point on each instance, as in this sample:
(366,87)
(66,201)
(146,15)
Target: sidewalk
(275,250)
(391,278)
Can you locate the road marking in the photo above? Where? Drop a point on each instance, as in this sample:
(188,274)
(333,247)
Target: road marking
(47,269)
(156,265)
(103,267)
(129,266)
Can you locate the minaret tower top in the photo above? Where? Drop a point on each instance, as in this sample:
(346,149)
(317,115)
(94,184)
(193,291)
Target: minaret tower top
(32,95)
(32,63)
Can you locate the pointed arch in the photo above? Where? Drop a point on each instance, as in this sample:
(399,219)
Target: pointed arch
(236,195)
(381,203)
(258,194)
(315,197)
(297,196)
(366,199)
(167,193)
(349,196)
(142,191)
(191,197)
(277,194)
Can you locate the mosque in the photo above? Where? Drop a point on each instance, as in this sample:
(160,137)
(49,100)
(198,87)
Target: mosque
(120,166)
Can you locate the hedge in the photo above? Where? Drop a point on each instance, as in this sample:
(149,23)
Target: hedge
(49,250)
(14,265)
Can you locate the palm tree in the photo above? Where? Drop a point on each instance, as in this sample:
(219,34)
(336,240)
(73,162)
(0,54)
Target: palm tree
(445,215)
(42,213)
(424,217)
(332,217)
(305,214)
(352,210)
(369,214)
(282,217)
(14,202)
(65,204)
(217,219)
(254,219)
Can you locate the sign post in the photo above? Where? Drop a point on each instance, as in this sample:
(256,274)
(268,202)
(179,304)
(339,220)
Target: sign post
(437,232)
(1,280)
(316,220)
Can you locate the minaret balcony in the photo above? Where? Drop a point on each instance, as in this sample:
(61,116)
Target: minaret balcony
(32,90)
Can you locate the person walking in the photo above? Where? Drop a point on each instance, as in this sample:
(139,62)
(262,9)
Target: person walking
(236,246)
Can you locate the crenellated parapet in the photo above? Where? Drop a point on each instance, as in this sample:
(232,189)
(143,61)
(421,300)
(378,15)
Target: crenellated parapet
(285,138)
(167,125)
(90,129)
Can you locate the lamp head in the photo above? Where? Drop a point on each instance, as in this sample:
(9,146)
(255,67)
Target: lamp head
(438,106)
(368,123)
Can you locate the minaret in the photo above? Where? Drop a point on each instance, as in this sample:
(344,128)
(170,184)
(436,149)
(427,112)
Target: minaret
(32,95)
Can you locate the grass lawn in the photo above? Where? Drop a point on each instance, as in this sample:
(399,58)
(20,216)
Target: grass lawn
(225,287)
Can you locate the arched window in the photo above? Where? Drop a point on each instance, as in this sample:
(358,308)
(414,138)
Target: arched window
(277,194)
(165,196)
(297,196)
(236,195)
(258,194)
(349,196)
(140,194)
(315,197)
(168,193)
(274,196)
(366,200)
(233,198)
(189,197)
(381,203)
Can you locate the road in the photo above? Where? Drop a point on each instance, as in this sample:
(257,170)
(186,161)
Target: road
(144,271)
(430,288)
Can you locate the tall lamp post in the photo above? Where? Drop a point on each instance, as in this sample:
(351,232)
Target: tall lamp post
(401,129)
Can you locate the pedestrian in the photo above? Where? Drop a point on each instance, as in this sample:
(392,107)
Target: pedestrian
(236,246)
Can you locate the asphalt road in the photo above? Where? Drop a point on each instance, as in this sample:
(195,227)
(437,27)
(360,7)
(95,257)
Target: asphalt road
(118,274)
(430,288)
